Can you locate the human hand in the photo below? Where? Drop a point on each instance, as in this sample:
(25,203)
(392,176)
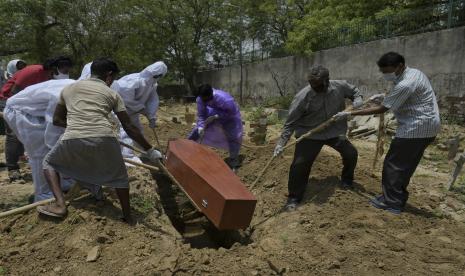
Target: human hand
(152,122)
(211,119)
(377,98)
(357,103)
(201,131)
(153,155)
(343,115)
(278,150)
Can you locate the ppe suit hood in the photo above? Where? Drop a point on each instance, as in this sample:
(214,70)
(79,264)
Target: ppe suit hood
(158,68)
(85,74)
(11,68)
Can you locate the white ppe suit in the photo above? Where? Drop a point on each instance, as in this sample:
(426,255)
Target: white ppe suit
(139,93)
(29,114)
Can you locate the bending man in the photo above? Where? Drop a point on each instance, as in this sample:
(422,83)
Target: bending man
(139,93)
(219,122)
(313,105)
(29,114)
(88,151)
(57,68)
(414,105)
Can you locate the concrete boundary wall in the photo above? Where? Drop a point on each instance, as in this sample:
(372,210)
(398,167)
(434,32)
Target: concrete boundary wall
(441,55)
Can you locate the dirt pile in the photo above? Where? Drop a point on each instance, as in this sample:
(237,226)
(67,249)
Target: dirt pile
(334,231)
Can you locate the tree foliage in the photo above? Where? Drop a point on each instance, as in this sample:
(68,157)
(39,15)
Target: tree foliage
(328,23)
(186,34)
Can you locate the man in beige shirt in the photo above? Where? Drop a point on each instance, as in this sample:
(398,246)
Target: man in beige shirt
(89,151)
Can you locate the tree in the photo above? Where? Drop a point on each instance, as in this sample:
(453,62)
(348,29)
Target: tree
(185,28)
(272,20)
(27,29)
(332,23)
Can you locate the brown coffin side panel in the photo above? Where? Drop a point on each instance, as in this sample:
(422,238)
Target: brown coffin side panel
(211,184)
(212,206)
(237,214)
(211,168)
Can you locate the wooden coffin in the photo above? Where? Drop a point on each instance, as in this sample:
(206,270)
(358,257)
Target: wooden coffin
(210,184)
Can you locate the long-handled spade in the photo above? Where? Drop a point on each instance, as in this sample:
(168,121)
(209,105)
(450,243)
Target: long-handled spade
(319,128)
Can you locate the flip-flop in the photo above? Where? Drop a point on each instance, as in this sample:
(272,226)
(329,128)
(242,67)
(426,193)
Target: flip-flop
(44,210)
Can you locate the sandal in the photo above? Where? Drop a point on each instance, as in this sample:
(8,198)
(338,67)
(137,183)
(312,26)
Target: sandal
(46,211)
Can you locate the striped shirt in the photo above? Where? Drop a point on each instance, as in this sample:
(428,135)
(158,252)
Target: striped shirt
(414,104)
(310,109)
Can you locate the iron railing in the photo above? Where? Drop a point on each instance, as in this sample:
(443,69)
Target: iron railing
(432,18)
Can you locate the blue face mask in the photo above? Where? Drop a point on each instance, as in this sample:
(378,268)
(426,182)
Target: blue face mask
(390,76)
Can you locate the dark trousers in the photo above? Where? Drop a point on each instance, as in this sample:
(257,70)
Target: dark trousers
(13,149)
(305,154)
(399,165)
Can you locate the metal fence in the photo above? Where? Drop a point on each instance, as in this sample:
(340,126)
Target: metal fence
(432,18)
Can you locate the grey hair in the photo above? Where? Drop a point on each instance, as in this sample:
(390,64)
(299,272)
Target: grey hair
(318,72)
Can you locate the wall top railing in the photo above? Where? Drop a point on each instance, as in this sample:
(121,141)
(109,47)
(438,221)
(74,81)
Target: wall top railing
(436,17)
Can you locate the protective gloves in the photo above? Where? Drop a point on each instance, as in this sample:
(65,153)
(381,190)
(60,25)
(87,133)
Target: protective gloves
(211,119)
(278,150)
(357,103)
(343,115)
(201,131)
(152,154)
(152,122)
(377,98)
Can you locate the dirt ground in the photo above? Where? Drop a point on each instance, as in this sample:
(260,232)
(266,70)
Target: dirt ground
(334,231)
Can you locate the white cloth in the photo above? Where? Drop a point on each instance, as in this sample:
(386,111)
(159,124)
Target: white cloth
(139,93)
(29,114)
(85,74)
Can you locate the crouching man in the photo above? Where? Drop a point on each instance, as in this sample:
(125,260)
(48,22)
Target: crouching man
(312,106)
(88,151)
(219,122)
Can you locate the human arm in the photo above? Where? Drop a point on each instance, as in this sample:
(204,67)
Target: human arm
(15,89)
(224,107)
(59,116)
(369,111)
(392,100)
(133,132)
(151,108)
(202,113)
(296,111)
(378,109)
(129,91)
(353,93)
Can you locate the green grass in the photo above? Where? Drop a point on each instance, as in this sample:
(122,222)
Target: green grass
(145,205)
(3,271)
(437,213)
(284,237)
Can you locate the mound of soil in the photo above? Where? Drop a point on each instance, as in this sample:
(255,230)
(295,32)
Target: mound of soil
(334,231)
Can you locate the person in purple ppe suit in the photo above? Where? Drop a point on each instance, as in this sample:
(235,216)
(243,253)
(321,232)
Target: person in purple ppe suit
(219,122)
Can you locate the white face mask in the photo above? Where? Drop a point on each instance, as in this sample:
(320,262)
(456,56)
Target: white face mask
(60,76)
(390,76)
